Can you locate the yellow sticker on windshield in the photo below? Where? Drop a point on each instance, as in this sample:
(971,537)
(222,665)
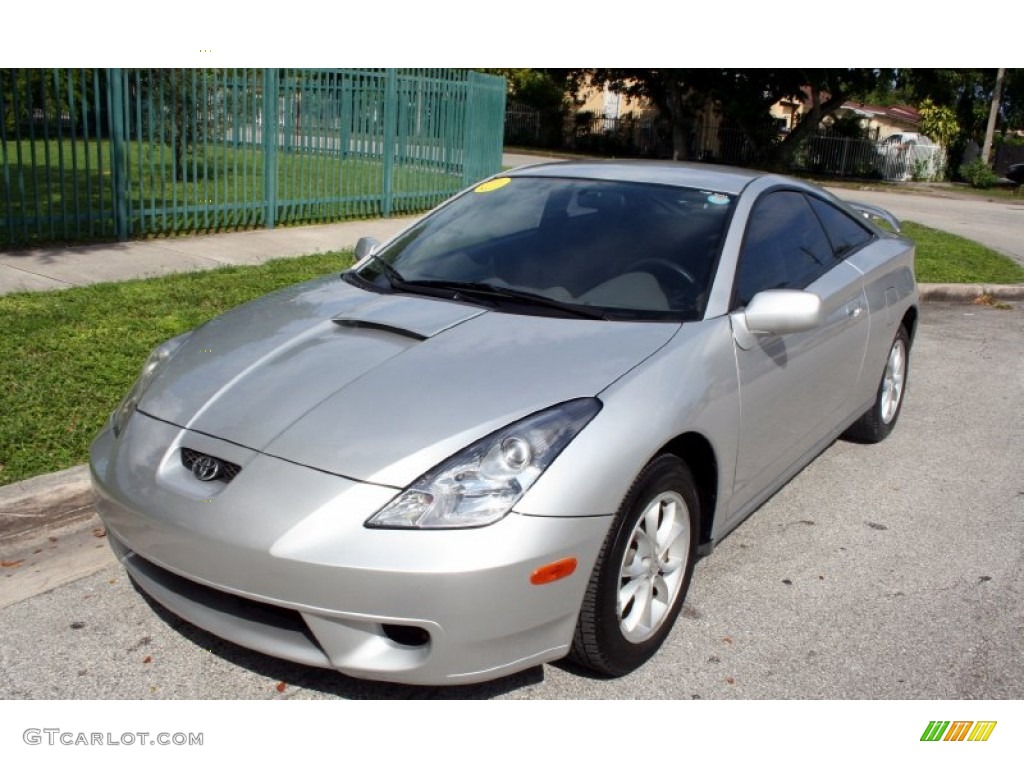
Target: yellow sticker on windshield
(493,184)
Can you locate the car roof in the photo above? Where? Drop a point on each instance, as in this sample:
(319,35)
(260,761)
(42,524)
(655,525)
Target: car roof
(719,178)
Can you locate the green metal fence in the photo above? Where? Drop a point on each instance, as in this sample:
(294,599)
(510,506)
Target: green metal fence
(100,154)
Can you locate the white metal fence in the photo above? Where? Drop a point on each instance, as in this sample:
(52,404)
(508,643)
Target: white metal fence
(891,159)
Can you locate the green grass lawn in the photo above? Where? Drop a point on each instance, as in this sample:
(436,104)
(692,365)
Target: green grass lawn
(68,357)
(62,190)
(946,258)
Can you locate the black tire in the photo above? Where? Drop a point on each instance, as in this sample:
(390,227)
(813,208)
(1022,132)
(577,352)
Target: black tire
(663,498)
(879,420)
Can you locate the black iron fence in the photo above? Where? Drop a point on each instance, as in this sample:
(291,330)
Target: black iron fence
(1007,154)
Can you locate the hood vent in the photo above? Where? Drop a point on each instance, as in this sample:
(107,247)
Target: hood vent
(355,322)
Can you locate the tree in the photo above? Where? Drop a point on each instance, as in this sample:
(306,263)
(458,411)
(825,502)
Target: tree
(826,90)
(678,94)
(545,90)
(744,97)
(31,97)
(967,92)
(940,124)
(1012,105)
(184,111)
(990,127)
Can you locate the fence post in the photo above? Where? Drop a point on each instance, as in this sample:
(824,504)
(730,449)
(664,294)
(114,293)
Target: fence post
(390,128)
(8,237)
(118,159)
(270,118)
(484,126)
(345,85)
(469,130)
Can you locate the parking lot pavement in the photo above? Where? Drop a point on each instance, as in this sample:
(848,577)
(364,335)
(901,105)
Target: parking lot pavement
(880,572)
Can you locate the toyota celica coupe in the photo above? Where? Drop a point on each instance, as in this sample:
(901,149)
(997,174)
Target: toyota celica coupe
(506,435)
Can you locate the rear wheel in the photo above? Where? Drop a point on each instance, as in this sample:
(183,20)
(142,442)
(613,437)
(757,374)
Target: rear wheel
(642,573)
(878,421)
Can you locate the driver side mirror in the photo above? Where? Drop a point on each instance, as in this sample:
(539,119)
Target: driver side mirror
(777,312)
(365,247)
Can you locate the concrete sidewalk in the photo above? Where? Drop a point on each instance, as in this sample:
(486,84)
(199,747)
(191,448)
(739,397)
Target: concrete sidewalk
(51,268)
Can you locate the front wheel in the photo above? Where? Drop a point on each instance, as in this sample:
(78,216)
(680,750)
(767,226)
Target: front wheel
(642,573)
(878,421)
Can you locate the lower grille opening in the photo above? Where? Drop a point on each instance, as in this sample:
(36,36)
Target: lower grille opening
(225,604)
(403,634)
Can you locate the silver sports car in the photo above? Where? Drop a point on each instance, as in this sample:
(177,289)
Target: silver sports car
(505,436)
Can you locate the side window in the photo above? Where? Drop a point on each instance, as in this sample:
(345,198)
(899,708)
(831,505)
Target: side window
(784,246)
(844,231)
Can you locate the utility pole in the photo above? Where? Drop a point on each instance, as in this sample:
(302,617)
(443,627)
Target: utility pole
(992,115)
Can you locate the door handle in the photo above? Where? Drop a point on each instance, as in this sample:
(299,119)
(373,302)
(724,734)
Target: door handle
(854,310)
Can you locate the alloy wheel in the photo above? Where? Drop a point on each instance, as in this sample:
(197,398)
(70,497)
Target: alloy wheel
(892,382)
(653,567)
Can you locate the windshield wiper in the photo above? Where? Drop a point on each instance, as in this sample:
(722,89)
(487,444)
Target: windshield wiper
(392,277)
(488,291)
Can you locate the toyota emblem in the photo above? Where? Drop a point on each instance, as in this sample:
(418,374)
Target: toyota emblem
(206,468)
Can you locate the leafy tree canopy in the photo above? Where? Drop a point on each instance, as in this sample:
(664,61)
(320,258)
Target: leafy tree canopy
(744,97)
(543,89)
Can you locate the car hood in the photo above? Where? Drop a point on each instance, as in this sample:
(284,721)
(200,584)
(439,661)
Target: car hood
(381,388)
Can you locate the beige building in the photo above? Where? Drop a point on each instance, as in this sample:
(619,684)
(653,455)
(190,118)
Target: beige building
(884,121)
(604,102)
(880,121)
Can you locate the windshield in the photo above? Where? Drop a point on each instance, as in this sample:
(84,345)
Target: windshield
(615,249)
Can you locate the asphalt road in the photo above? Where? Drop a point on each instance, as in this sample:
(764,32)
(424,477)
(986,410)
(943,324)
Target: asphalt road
(880,572)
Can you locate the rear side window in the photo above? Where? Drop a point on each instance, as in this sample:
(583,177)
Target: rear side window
(844,231)
(784,246)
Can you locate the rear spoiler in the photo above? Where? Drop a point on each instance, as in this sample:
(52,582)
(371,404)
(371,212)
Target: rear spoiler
(874,212)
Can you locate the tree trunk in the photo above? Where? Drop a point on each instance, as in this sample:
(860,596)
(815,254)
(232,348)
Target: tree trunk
(679,143)
(180,158)
(993,113)
(808,125)
(675,103)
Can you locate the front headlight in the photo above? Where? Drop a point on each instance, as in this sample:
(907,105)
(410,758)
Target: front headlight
(480,484)
(157,359)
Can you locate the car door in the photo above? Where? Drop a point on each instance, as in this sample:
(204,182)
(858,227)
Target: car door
(795,389)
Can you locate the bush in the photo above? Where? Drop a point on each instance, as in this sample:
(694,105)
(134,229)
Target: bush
(979,175)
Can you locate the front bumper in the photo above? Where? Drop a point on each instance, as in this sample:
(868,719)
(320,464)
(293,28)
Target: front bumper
(278,560)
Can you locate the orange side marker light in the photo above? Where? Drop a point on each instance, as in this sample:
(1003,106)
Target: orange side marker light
(553,571)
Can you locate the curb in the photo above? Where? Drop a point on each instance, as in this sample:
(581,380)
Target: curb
(36,508)
(968,292)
